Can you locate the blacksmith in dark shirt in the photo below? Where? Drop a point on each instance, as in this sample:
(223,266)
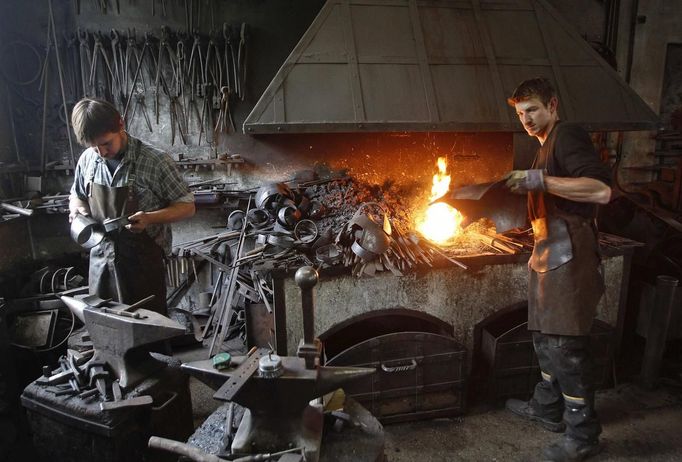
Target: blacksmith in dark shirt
(564,186)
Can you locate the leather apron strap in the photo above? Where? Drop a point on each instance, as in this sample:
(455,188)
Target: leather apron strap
(552,247)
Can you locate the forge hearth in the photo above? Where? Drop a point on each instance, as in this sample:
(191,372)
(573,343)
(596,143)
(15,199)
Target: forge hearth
(459,298)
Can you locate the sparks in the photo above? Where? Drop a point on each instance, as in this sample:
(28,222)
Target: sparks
(440,222)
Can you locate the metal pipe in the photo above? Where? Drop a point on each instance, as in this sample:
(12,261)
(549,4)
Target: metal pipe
(631,39)
(46,67)
(15,209)
(657,330)
(612,8)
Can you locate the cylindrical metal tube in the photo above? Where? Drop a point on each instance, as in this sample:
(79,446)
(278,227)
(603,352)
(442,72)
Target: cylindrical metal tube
(657,330)
(15,209)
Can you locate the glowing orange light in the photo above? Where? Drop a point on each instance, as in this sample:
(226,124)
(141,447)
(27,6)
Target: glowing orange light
(441,222)
(441,180)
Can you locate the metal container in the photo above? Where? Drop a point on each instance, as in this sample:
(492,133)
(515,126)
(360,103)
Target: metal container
(419,376)
(513,369)
(86,231)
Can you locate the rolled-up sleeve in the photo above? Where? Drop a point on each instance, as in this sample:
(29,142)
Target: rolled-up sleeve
(78,187)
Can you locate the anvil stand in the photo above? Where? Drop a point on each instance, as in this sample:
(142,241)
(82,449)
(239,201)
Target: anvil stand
(276,391)
(115,401)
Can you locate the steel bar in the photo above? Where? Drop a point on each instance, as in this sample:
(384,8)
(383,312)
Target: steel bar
(203,240)
(46,72)
(10,112)
(139,303)
(61,84)
(451,260)
(227,301)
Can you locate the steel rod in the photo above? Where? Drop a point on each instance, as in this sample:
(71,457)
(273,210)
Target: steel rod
(61,84)
(227,305)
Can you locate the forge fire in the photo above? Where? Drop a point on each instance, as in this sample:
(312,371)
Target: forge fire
(441,222)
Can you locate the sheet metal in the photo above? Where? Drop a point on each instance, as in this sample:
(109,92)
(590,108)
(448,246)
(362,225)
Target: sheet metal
(439,65)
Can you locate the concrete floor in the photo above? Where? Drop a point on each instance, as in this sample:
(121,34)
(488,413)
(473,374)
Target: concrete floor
(638,425)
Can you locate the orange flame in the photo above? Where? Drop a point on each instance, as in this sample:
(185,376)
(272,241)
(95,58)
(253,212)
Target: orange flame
(441,222)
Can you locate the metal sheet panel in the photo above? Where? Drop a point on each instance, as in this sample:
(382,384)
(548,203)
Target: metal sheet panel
(393,92)
(318,92)
(452,34)
(454,86)
(423,65)
(383,32)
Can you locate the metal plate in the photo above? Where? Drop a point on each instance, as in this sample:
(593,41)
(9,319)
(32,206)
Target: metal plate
(34,330)
(240,376)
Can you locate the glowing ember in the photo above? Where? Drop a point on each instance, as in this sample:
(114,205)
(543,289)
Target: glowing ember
(441,222)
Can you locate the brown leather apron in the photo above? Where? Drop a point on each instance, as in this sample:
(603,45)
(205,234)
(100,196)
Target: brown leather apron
(126,266)
(565,283)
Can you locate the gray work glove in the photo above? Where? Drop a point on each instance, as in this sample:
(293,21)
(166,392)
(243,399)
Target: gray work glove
(523,181)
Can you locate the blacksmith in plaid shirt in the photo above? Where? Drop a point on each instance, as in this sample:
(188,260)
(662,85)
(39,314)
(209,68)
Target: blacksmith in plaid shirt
(119,175)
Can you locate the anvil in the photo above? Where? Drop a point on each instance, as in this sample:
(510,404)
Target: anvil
(276,391)
(120,336)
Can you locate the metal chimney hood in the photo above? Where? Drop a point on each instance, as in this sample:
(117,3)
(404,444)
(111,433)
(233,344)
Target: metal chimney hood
(438,65)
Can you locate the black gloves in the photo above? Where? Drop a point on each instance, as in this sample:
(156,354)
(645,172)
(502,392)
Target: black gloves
(523,181)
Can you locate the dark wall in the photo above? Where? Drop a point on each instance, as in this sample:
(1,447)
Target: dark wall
(671,97)
(274,27)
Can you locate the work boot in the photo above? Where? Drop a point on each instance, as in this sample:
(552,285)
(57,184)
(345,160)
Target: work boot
(525,409)
(569,449)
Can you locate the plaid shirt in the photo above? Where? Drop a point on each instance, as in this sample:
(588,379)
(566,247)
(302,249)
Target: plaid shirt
(154,177)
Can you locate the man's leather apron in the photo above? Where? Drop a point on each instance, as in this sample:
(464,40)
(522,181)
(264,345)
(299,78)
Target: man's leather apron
(126,266)
(565,283)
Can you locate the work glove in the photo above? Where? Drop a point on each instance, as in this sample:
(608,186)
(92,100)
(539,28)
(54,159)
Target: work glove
(524,181)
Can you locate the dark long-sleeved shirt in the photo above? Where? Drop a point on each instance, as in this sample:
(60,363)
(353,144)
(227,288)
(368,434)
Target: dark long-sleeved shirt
(574,156)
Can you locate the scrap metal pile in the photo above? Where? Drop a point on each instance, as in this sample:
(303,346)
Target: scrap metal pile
(88,380)
(12,208)
(335,222)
